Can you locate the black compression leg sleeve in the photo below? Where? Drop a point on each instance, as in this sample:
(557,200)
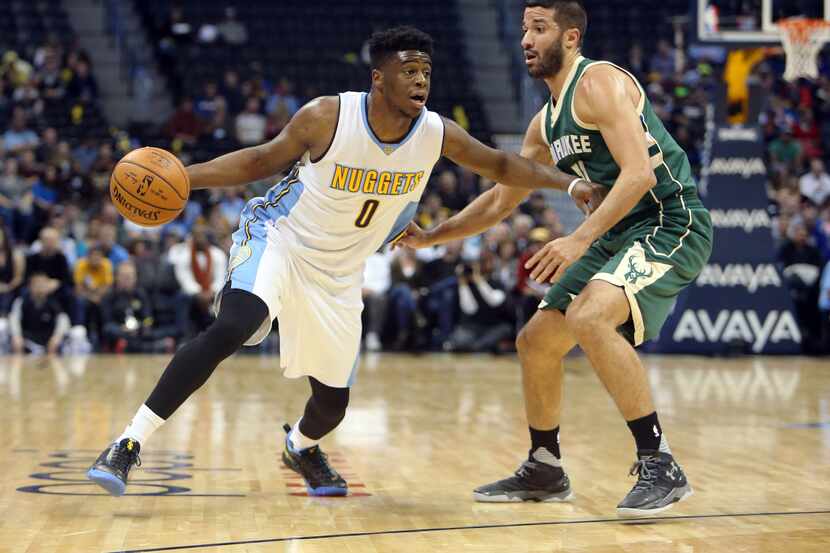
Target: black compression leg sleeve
(325,409)
(240,315)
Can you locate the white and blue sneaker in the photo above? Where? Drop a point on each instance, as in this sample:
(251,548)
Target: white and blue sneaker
(312,464)
(111,469)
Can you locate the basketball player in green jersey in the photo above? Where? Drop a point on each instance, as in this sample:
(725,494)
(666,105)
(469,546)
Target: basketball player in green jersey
(616,276)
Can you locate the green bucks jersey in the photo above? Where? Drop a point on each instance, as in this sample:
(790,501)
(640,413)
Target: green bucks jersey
(578,148)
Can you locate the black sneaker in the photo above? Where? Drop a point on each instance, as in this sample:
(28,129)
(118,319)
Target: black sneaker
(533,481)
(312,464)
(660,484)
(112,467)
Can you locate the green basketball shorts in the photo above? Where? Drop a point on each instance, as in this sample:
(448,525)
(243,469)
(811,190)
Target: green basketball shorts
(652,256)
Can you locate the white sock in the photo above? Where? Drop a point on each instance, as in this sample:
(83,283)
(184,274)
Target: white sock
(298,440)
(144,423)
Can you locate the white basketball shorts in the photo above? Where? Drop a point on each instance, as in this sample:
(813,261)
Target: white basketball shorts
(319,323)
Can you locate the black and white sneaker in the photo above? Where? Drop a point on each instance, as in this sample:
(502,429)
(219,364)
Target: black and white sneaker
(533,481)
(660,484)
(313,465)
(111,469)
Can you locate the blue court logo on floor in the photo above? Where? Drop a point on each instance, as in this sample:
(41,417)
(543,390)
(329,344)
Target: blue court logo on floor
(162,473)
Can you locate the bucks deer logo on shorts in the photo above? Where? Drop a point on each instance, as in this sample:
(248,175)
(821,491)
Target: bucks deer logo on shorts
(638,268)
(637,271)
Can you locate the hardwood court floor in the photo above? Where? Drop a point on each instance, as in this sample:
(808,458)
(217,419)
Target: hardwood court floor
(753,435)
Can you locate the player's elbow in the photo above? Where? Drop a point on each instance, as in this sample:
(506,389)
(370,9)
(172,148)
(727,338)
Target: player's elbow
(646,177)
(499,212)
(501,167)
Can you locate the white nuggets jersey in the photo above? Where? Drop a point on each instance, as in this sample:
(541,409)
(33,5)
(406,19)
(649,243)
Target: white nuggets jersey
(361,194)
(301,248)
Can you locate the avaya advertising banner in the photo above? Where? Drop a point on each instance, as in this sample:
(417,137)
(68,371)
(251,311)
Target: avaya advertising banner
(740,302)
(736,196)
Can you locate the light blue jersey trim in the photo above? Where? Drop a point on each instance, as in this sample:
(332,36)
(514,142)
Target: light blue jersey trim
(387,147)
(402,221)
(277,202)
(250,240)
(353,374)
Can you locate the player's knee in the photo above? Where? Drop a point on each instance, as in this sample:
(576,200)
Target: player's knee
(523,342)
(336,405)
(548,341)
(332,408)
(227,335)
(329,402)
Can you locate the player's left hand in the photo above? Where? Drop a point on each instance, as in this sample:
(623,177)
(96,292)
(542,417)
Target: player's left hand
(551,261)
(588,196)
(414,237)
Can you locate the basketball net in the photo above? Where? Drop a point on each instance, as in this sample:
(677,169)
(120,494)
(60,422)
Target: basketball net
(803,39)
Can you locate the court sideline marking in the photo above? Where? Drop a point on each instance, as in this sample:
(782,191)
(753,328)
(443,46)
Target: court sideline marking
(475,527)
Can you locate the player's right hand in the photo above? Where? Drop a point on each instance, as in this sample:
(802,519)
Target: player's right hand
(588,196)
(413,237)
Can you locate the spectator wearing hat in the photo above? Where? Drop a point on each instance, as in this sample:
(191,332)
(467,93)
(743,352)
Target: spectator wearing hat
(200,269)
(530,292)
(38,323)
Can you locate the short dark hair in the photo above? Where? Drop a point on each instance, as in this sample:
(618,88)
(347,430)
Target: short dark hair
(568,14)
(384,44)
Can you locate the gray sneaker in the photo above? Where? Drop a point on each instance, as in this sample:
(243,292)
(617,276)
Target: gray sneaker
(533,481)
(660,484)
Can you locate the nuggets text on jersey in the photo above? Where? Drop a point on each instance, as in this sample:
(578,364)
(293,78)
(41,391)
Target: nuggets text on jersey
(372,181)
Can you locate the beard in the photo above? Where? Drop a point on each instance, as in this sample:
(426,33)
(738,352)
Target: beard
(551,63)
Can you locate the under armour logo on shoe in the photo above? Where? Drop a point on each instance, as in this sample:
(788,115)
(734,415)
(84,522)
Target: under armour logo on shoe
(672,472)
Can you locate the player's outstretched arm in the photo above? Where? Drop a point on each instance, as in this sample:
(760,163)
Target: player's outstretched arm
(507,168)
(482,213)
(488,209)
(494,205)
(311,127)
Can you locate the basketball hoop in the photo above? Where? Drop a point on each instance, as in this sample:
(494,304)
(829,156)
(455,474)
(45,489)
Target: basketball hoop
(803,39)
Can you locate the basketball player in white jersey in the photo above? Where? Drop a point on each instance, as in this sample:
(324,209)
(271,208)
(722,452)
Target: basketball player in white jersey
(298,255)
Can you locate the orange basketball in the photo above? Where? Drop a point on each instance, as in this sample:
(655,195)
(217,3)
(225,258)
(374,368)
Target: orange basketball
(149,186)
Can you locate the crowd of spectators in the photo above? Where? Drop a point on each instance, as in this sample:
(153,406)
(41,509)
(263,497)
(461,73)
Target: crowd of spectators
(796,124)
(74,276)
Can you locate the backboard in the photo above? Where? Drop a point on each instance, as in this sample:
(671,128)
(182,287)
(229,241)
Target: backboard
(750,22)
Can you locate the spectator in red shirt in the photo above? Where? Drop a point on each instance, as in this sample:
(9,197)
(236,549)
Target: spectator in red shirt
(530,291)
(184,124)
(805,131)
